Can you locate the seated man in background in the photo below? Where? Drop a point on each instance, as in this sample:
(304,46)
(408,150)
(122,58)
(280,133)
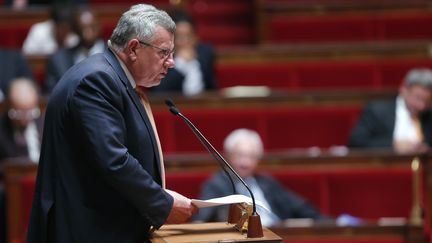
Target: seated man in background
(20,131)
(87,27)
(13,65)
(21,126)
(403,123)
(44,38)
(194,61)
(244,150)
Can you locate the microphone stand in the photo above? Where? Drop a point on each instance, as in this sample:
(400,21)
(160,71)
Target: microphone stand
(203,141)
(254,221)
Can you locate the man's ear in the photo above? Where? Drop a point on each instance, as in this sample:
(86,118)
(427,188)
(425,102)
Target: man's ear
(131,49)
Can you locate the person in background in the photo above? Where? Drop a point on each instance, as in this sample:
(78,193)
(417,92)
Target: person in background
(21,125)
(244,150)
(101,173)
(87,27)
(404,123)
(194,70)
(44,38)
(20,132)
(13,65)
(24,4)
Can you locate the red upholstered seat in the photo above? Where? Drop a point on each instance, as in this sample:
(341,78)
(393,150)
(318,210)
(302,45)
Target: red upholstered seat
(319,75)
(320,28)
(366,193)
(308,127)
(187,183)
(350,27)
(357,192)
(309,185)
(13,36)
(28,185)
(280,128)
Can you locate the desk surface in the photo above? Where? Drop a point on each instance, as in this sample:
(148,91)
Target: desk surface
(365,232)
(207,232)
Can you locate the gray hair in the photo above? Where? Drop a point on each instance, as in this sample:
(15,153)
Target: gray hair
(140,21)
(243,134)
(419,76)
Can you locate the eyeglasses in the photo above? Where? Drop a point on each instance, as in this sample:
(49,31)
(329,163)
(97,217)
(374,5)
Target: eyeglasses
(24,114)
(164,53)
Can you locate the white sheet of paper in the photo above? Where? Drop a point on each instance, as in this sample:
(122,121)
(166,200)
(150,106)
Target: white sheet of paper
(236,198)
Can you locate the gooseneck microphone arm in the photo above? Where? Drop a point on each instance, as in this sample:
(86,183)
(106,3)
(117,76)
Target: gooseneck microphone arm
(173,109)
(201,138)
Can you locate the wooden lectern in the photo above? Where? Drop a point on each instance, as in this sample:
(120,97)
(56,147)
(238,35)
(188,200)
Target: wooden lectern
(207,232)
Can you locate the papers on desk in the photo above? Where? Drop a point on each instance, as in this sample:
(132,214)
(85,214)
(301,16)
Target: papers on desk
(231,199)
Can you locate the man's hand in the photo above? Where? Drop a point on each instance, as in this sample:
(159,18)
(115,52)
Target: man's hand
(182,209)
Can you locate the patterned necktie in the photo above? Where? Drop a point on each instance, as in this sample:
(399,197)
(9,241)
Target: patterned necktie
(147,108)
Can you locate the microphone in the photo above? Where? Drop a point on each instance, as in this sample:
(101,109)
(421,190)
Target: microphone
(254,227)
(173,109)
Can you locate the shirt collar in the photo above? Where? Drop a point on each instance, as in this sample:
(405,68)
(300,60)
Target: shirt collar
(123,66)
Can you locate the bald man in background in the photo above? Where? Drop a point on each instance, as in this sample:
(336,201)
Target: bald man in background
(21,124)
(20,131)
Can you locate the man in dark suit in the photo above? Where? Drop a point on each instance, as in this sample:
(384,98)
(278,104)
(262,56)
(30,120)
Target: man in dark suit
(244,150)
(101,174)
(13,65)
(87,27)
(403,123)
(194,71)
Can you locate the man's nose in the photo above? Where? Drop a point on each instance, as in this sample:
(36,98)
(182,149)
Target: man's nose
(169,62)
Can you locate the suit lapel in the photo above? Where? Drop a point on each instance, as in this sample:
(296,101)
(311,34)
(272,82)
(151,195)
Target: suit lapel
(136,101)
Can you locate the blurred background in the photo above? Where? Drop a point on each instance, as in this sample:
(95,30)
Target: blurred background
(299,72)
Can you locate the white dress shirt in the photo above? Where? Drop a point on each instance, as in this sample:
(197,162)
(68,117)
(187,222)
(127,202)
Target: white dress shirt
(41,40)
(193,81)
(405,128)
(31,135)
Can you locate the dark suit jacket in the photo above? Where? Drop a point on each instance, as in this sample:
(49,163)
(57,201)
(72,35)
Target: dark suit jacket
(57,65)
(284,203)
(173,81)
(375,126)
(13,65)
(8,147)
(98,178)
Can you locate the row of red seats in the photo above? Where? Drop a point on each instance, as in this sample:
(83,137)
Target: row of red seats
(320,74)
(14,35)
(369,194)
(400,25)
(368,74)
(221,18)
(365,193)
(280,128)
(232,22)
